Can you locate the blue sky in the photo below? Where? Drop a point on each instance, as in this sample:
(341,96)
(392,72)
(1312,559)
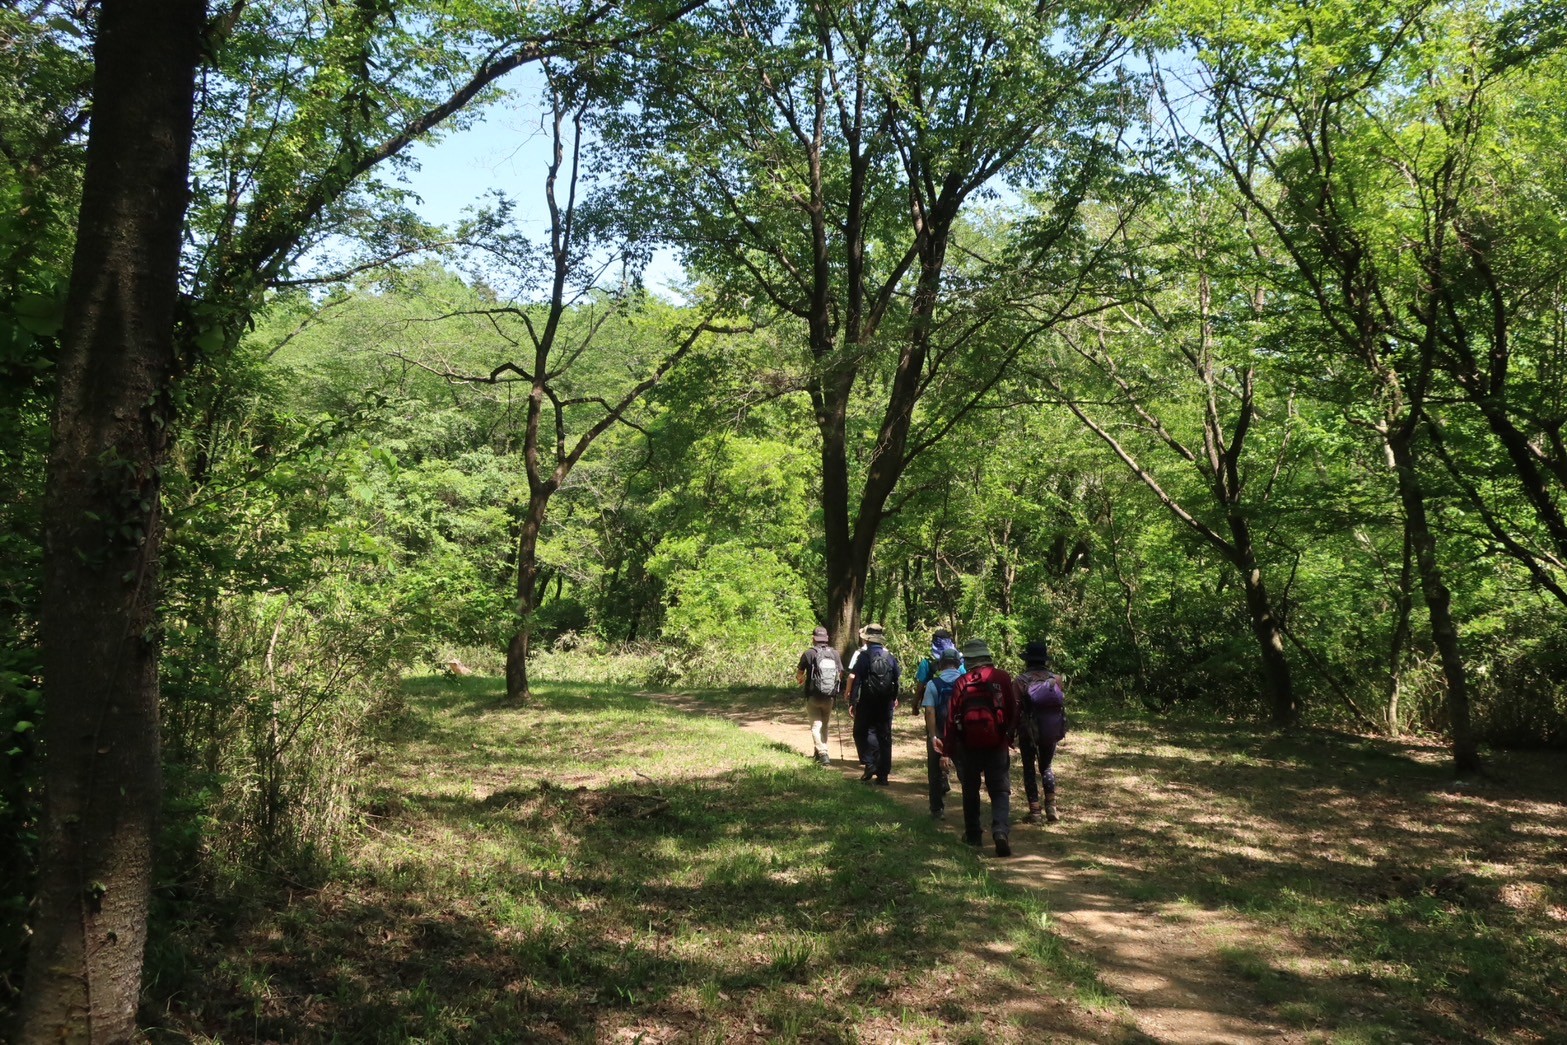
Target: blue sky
(507,149)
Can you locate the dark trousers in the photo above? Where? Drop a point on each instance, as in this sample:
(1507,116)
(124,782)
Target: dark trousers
(936,778)
(1037,756)
(873,738)
(994,768)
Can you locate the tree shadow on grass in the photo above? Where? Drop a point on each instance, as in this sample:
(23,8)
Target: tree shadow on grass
(1432,907)
(753,903)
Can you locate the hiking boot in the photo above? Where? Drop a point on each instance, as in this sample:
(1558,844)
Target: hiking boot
(1034,815)
(1050,811)
(824,760)
(1003,847)
(974,840)
(938,814)
(865,776)
(881,781)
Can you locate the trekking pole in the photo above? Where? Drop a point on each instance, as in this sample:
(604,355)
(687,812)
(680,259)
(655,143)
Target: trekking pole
(839,717)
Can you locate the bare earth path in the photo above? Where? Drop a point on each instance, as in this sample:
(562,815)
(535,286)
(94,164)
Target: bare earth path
(1162,960)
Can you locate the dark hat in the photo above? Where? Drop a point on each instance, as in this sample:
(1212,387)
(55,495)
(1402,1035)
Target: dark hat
(940,633)
(950,655)
(976,653)
(873,633)
(1036,654)
(819,635)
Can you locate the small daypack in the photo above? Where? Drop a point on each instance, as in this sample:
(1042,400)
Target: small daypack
(944,688)
(825,671)
(876,684)
(980,712)
(1047,707)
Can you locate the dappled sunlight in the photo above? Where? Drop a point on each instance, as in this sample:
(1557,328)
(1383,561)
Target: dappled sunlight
(651,867)
(639,869)
(1355,852)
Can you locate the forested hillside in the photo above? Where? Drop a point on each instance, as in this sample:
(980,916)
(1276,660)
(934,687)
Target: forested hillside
(1219,343)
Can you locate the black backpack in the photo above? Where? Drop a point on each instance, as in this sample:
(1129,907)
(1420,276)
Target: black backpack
(876,683)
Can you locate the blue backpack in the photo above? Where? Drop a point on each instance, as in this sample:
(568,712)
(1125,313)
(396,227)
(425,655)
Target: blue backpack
(944,688)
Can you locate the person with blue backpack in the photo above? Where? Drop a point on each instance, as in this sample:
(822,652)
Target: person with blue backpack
(1042,697)
(820,674)
(938,694)
(873,697)
(926,669)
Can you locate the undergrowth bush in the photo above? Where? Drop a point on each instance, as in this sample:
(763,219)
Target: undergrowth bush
(575,658)
(268,733)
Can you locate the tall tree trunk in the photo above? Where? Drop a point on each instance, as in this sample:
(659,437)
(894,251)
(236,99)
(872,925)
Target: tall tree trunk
(527,595)
(1395,657)
(845,577)
(845,596)
(103,530)
(1444,629)
(1264,626)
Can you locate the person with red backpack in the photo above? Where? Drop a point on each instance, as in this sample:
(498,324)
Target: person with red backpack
(873,697)
(981,726)
(1042,697)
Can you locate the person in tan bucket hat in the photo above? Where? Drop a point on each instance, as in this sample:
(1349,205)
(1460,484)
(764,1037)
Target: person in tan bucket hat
(874,680)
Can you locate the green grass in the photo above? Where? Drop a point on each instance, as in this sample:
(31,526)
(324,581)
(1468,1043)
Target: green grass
(1389,903)
(596,866)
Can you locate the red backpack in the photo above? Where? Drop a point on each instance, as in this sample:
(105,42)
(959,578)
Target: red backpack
(979,711)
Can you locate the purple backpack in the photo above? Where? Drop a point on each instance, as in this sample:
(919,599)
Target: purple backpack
(1046,706)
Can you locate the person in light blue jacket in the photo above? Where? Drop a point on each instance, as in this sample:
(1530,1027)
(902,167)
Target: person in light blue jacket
(938,694)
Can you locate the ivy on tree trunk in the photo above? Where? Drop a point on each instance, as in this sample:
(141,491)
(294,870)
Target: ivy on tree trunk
(103,530)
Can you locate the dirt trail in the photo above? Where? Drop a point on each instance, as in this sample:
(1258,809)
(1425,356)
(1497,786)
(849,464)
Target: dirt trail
(1163,962)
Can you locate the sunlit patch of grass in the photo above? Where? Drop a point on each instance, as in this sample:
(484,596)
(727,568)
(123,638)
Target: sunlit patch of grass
(596,863)
(1412,898)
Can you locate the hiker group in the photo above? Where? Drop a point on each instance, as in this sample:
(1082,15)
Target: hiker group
(974,711)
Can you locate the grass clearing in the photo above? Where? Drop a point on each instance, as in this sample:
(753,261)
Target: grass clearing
(598,866)
(1393,903)
(602,867)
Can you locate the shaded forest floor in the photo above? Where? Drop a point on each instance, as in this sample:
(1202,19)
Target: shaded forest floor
(606,866)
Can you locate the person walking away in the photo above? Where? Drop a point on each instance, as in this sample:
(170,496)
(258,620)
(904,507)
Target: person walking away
(981,727)
(938,694)
(820,674)
(926,669)
(873,697)
(859,747)
(1041,696)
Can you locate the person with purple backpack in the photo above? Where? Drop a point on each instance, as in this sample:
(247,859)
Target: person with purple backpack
(1041,698)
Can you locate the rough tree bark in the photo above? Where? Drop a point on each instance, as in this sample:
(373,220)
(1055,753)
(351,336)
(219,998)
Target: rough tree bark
(103,530)
(1438,599)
